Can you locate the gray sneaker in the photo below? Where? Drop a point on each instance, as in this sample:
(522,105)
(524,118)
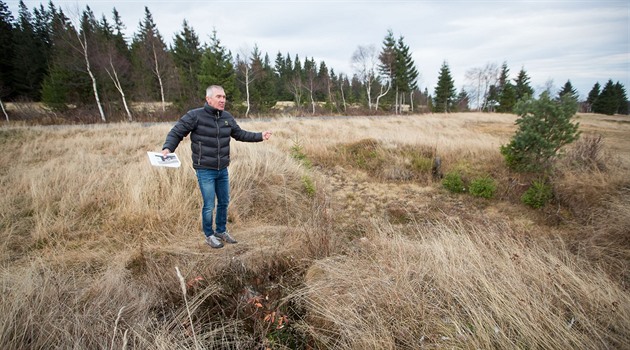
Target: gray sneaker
(225,237)
(213,242)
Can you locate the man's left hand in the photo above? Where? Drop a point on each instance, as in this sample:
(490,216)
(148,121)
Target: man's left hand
(266,135)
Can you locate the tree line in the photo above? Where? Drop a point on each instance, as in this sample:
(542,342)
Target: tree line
(82,61)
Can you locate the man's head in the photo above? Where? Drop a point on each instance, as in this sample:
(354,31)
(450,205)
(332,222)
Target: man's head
(215,96)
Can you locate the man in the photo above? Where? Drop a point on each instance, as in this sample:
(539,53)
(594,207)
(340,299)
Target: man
(211,129)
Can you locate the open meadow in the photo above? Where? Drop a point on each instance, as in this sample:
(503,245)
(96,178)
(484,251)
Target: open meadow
(347,240)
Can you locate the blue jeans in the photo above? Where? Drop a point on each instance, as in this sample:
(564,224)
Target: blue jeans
(214,184)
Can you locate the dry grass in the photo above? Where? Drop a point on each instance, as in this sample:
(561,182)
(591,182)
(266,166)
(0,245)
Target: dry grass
(451,285)
(362,249)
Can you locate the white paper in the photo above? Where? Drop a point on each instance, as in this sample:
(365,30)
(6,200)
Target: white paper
(170,160)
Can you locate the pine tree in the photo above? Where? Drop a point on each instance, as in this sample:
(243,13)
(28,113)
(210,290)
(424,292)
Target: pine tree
(622,98)
(6,59)
(217,69)
(153,67)
(29,65)
(310,83)
(593,95)
(507,93)
(445,93)
(263,86)
(67,81)
(266,84)
(522,90)
(387,66)
(323,81)
(406,74)
(568,90)
(544,127)
(282,70)
(607,102)
(187,55)
(387,58)
(295,81)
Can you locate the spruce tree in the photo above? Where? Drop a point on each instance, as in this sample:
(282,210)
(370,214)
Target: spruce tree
(593,95)
(119,37)
(507,92)
(187,54)
(387,58)
(66,82)
(154,72)
(544,127)
(386,67)
(622,98)
(607,102)
(263,86)
(29,65)
(445,92)
(6,43)
(522,89)
(217,69)
(406,78)
(568,90)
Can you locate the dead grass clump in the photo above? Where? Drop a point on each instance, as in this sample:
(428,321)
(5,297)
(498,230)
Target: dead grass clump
(461,287)
(605,240)
(588,177)
(587,153)
(269,186)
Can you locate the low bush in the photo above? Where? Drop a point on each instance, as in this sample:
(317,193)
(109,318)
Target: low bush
(454,182)
(484,187)
(538,194)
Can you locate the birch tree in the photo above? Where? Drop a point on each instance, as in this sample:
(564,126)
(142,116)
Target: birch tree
(479,80)
(245,74)
(310,71)
(387,59)
(112,58)
(4,111)
(364,63)
(84,34)
(152,62)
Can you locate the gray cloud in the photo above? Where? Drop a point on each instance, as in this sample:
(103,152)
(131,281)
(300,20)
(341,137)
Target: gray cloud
(584,41)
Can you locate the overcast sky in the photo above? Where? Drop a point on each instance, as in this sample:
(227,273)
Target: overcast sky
(554,41)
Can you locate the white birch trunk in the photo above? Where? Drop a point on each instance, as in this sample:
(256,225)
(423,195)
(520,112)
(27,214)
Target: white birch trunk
(368,90)
(4,110)
(114,76)
(159,76)
(343,98)
(83,43)
(382,94)
(247,88)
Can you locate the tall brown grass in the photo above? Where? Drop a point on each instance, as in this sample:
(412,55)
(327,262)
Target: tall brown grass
(358,247)
(452,285)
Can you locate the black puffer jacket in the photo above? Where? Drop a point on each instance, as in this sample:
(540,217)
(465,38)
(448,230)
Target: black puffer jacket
(210,132)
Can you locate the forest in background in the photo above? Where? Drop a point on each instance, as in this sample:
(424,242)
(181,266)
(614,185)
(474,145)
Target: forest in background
(81,64)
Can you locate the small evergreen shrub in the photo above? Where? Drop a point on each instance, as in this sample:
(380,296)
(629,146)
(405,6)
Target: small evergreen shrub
(454,182)
(309,185)
(483,187)
(538,194)
(544,127)
(297,153)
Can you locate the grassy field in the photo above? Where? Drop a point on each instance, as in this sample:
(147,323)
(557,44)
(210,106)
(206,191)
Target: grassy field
(347,240)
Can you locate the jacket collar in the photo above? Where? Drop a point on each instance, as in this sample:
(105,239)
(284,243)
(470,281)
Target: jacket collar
(211,110)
